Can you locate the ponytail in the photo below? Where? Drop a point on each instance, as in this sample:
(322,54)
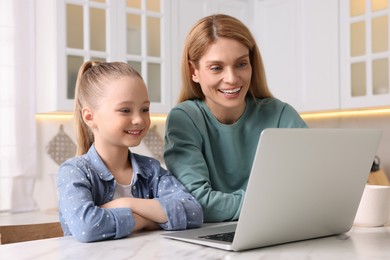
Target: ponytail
(84,134)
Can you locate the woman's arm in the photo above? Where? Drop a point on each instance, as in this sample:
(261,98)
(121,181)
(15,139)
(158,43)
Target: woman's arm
(184,159)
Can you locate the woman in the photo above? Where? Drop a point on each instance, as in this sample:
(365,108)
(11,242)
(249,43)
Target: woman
(212,134)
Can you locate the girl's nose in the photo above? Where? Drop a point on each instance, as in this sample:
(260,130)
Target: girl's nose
(137,119)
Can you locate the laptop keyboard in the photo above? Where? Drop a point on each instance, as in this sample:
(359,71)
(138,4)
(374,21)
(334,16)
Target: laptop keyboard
(227,237)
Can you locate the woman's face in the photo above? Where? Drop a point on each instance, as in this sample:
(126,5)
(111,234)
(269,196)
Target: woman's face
(224,74)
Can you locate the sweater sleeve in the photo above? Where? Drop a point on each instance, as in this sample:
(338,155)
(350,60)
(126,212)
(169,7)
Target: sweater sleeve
(184,158)
(290,118)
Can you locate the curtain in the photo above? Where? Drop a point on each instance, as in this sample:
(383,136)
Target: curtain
(18,142)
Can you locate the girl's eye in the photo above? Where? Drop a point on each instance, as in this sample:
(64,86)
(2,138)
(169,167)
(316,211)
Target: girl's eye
(124,110)
(146,109)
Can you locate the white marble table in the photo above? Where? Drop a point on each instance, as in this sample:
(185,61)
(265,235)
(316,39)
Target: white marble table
(358,243)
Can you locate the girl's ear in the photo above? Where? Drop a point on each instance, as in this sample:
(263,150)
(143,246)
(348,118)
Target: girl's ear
(194,72)
(88,117)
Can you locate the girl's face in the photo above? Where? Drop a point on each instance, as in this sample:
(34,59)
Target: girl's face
(224,74)
(122,118)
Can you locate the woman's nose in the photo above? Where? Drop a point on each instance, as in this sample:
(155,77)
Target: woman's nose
(231,75)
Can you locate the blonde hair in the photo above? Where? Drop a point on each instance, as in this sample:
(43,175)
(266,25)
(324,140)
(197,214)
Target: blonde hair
(91,81)
(204,33)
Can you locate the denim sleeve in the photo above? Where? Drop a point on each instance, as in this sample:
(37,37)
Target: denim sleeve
(183,211)
(80,196)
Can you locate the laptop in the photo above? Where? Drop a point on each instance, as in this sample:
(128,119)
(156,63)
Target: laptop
(304,184)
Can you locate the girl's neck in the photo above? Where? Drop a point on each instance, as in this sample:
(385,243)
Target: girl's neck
(117,161)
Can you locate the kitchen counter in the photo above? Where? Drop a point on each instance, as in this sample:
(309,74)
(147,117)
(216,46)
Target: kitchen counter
(358,243)
(34,217)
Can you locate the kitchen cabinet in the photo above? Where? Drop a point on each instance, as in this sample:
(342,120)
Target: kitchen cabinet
(299,41)
(326,55)
(147,34)
(69,32)
(364,50)
(310,48)
(48,94)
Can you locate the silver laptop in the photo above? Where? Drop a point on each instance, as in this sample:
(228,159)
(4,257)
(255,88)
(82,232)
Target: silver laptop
(304,184)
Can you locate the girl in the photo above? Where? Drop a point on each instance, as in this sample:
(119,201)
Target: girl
(212,134)
(107,192)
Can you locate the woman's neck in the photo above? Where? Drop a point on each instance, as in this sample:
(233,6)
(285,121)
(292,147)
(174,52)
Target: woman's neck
(226,115)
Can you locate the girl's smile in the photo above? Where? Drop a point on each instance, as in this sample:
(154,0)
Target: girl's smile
(134,132)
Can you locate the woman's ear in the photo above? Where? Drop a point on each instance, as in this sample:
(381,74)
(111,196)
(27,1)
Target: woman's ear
(194,72)
(88,117)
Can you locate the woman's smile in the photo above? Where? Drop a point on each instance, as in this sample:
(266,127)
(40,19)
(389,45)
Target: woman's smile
(230,92)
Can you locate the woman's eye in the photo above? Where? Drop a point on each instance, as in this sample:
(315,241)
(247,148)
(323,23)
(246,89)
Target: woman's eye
(146,109)
(242,64)
(215,68)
